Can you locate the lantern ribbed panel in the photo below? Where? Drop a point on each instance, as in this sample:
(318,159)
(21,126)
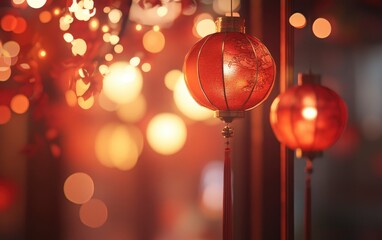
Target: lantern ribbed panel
(229,71)
(308,134)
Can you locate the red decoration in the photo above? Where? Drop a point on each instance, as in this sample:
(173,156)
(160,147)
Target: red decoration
(308,117)
(229,71)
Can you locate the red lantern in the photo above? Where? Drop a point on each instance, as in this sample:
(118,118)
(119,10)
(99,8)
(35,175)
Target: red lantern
(229,71)
(308,117)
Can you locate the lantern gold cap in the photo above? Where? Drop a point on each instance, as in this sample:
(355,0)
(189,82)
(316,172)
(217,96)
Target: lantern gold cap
(228,116)
(230,24)
(308,78)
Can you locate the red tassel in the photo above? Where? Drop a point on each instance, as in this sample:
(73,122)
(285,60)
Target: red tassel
(308,200)
(227,197)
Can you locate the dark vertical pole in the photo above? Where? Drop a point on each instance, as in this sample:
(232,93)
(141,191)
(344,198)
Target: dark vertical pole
(286,156)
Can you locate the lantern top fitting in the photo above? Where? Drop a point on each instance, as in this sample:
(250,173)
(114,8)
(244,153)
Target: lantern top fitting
(230,24)
(303,78)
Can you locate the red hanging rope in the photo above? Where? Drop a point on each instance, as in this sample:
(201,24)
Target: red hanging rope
(308,200)
(227,196)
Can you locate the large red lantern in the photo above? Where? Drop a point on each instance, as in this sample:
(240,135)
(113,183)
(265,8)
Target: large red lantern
(229,71)
(308,118)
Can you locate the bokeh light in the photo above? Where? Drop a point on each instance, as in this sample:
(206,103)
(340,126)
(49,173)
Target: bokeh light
(153,41)
(79,188)
(321,28)
(94,213)
(36,3)
(18,2)
(146,67)
(42,54)
(79,47)
(94,24)
(8,23)
(5,72)
(106,104)
(12,48)
(205,27)
(187,105)
(21,25)
(68,37)
(138,27)
(172,77)
(109,57)
(123,84)
(166,133)
(45,16)
(133,111)
(212,188)
(224,6)
(119,146)
(134,61)
(85,103)
(115,15)
(118,48)
(297,20)
(162,11)
(5,114)
(71,98)
(19,104)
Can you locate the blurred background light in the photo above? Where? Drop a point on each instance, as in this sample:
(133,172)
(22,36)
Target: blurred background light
(223,6)
(212,188)
(146,67)
(166,133)
(123,83)
(5,114)
(153,41)
(187,105)
(133,111)
(205,27)
(79,47)
(19,104)
(118,146)
(85,103)
(36,3)
(297,20)
(321,28)
(45,16)
(172,77)
(94,213)
(115,15)
(79,188)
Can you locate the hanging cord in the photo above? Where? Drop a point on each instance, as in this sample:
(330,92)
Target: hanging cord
(227,133)
(308,199)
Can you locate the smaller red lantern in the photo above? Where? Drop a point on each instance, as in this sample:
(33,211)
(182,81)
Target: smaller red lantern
(308,117)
